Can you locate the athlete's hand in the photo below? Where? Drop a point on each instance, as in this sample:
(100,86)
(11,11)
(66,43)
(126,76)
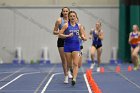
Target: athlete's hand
(84,38)
(70,35)
(55,32)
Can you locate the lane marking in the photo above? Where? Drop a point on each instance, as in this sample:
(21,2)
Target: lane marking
(68,90)
(89,89)
(126,78)
(85,77)
(47,84)
(26,72)
(11,81)
(130,81)
(16,77)
(45,78)
(12,74)
(6,72)
(13,91)
(47,90)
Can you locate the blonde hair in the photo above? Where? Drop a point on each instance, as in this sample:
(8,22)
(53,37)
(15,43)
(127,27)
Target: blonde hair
(136,26)
(98,21)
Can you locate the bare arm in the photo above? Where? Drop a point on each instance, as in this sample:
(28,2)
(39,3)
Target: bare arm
(82,33)
(101,35)
(90,34)
(130,38)
(61,32)
(56,27)
(139,33)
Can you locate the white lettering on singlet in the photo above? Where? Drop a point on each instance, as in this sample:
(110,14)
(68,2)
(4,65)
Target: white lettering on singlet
(74,31)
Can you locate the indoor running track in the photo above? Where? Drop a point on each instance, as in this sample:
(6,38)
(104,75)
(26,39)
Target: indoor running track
(37,78)
(48,78)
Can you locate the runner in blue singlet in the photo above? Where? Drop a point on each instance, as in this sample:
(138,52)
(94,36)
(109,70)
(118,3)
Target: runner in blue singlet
(97,36)
(71,32)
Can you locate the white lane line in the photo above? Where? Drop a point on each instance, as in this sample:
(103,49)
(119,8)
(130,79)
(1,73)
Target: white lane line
(129,80)
(6,72)
(12,74)
(31,91)
(87,84)
(89,89)
(18,78)
(30,73)
(11,81)
(68,90)
(13,91)
(47,84)
(26,73)
(45,78)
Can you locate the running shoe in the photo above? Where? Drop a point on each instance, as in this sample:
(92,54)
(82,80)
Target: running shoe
(98,69)
(136,68)
(70,74)
(92,66)
(73,82)
(66,80)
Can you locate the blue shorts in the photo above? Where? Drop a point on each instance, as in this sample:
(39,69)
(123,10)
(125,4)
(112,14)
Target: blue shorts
(71,48)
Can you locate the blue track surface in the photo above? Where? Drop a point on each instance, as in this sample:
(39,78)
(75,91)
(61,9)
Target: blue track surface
(123,82)
(17,78)
(32,78)
(57,86)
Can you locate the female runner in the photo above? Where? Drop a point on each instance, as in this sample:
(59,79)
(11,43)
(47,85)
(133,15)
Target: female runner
(60,42)
(71,32)
(97,36)
(134,47)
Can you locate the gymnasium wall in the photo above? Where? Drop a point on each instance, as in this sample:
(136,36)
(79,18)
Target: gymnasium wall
(40,3)
(31,29)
